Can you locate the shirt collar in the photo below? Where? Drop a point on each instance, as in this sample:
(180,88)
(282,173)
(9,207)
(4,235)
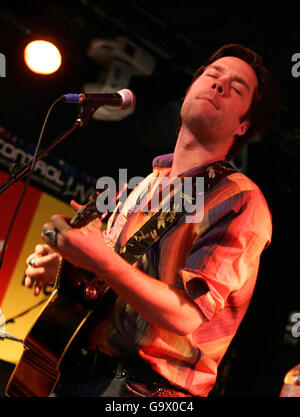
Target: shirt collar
(166,160)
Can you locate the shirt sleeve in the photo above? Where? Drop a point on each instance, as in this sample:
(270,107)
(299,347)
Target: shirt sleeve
(227,255)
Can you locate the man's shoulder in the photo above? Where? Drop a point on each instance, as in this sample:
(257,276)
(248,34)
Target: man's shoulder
(237,183)
(237,196)
(238,188)
(242,182)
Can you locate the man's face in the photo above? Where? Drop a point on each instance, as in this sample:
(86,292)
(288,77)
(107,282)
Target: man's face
(218,98)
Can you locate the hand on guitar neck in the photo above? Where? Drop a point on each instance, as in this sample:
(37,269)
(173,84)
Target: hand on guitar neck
(82,246)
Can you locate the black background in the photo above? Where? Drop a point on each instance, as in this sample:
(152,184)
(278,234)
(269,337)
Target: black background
(179,35)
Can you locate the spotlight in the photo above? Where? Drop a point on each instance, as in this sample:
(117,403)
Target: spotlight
(42,57)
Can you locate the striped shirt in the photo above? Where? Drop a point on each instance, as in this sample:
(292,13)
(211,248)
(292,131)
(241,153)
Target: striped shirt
(215,260)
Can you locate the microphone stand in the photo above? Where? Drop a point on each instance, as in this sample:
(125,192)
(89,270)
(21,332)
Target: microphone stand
(20,170)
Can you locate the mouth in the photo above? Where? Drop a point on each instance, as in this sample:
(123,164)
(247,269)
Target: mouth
(210,100)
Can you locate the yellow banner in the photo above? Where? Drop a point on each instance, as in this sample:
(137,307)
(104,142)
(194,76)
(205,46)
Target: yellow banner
(19,306)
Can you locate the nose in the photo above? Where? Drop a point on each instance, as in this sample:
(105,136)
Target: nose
(220,86)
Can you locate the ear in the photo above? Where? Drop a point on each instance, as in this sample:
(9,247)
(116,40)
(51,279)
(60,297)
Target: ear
(242,129)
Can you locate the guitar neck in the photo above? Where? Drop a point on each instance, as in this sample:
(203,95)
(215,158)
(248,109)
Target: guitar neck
(86,214)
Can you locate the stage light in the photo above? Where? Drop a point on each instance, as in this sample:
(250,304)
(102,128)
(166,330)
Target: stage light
(42,57)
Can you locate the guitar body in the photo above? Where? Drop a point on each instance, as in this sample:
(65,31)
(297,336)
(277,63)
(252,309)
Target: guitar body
(59,323)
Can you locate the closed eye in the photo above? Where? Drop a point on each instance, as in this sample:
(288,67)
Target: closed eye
(216,76)
(235,89)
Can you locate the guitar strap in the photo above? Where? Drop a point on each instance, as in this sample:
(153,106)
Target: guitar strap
(162,221)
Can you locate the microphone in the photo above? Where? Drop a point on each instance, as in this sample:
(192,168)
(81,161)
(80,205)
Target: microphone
(124,99)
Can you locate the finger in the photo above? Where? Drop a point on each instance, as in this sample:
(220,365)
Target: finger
(75,206)
(48,226)
(61,223)
(28,259)
(27,282)
(96,223)
(38,285)
(47,239)
(43,249)
(49,235)
(37,288)
(34,273)
(45,260)
(93,226)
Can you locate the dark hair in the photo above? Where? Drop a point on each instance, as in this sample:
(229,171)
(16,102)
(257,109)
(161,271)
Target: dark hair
(265,105)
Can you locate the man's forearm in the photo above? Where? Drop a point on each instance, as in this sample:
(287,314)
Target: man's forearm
(157,302)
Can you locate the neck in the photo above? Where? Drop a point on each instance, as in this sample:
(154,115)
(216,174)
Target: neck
(190,153)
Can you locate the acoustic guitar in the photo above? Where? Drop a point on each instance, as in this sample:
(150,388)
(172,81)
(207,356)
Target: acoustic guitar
(77,292)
